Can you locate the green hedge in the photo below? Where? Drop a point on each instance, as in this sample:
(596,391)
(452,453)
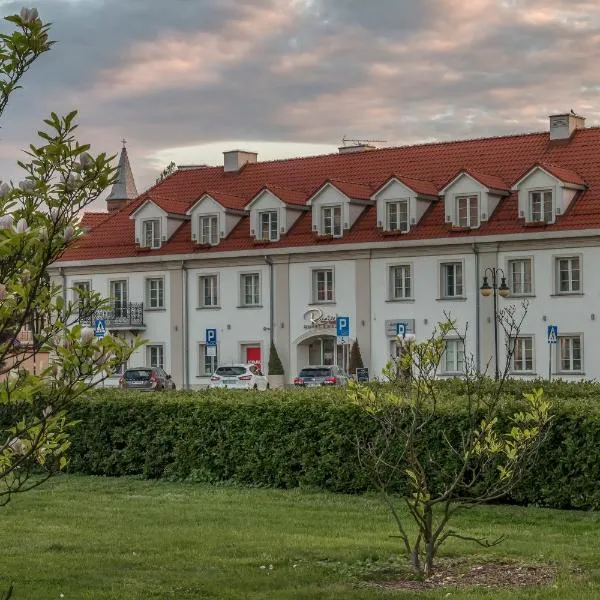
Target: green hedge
(290,438)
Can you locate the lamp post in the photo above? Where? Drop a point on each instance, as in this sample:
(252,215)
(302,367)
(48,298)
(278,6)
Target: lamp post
(488,290)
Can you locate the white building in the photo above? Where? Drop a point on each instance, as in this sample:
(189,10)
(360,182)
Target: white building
(279,249)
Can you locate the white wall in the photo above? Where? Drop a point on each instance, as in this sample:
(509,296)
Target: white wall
(235,326)
(425,308)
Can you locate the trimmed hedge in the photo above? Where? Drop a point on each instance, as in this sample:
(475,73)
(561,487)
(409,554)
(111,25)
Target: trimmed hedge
(290,438)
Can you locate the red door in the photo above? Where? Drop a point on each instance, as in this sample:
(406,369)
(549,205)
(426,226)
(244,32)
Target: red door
(253,356)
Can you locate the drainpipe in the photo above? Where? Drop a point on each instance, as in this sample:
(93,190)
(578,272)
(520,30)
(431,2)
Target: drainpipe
(477,310)
(269,261)
(184,336)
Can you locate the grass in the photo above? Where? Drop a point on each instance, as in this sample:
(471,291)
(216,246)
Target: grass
(93,538)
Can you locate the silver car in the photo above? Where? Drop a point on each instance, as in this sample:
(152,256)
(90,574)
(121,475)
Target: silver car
(321,375)
(146,379)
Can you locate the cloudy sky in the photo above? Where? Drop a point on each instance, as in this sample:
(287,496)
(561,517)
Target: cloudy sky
(185,80)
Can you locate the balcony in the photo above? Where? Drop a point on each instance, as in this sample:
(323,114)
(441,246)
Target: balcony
(125,317)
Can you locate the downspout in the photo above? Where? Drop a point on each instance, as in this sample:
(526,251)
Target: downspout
(269,261)
(477,310)
(62,273)
(184,336)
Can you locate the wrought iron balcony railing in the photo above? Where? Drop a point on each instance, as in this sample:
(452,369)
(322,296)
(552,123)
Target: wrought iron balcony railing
(129,315)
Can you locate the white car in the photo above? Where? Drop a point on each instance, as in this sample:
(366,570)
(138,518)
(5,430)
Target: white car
(239,377)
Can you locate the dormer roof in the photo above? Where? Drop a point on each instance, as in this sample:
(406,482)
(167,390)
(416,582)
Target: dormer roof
(420,187)
(286,195)
(563,174)
(227,201)
(352,191)
(492,182)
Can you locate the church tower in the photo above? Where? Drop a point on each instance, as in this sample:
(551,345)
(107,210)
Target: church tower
(123,190)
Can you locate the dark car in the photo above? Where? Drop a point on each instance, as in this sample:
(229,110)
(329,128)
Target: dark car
(322,375)
(146,379)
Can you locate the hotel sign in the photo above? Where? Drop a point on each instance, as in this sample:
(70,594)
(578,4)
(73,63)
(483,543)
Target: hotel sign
(315,318)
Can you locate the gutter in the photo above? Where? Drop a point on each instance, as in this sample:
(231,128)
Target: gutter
(184,336)
(269,261)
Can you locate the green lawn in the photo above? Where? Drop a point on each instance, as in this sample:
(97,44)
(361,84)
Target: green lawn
(90,538)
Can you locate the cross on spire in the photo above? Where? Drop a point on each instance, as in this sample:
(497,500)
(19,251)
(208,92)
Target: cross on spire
(123,141)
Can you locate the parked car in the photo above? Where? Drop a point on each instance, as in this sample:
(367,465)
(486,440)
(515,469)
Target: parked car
(239,377)
(321,375)
(146,379)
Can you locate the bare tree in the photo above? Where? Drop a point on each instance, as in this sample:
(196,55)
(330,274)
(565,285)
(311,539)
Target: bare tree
(481,461)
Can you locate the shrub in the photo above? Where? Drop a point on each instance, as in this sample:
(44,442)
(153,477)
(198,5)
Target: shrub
(356,361)
(275,366)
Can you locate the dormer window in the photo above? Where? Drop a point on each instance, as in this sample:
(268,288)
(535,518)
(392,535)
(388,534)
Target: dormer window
(269,225)
(209,230)
(151,233)
(396,215)
(467,211)
(332,220)
(540,206)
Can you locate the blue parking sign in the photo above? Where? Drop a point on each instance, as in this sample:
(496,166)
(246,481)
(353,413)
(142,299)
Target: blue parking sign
(211,337)
(343,326)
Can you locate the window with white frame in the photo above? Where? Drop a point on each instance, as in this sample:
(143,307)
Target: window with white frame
(208,292)
(570,353)
(454,356)
(540,206)
(400,286)
(119,296)
(268,225)
(322,285)
(209,360)
(467,211)
(250,289)
(155,355)
(81,291)
(452,280)
(151,233)
(331,220)
(396,215)
(208,229)
(155,292)
(568,275)
(522,358)
(519,276)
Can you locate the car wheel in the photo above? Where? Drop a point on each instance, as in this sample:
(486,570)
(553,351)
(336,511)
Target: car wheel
(268,386)
(255,387)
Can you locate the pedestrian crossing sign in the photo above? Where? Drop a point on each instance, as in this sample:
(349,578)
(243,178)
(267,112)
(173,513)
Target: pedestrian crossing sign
(99,328)
(552,334)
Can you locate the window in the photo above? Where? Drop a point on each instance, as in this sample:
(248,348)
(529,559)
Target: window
(540,205)
(156,355)
(400,282)
(396,216)
(332,220)
(119,297)
(209,230)
(250,289)
(269,225)
(209,291)
(151,233)
(569,353)
(452,280)
(568,275)
(519,275)
(322,285)
(522,358)
(454,356)
(467,211)
(155,292)
(209,360)
(81,291)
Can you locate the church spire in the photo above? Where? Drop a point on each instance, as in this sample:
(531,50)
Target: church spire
(123,190)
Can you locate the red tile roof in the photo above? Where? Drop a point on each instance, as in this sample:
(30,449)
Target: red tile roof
(355,191)
(89,220)
(505,158)
(492,182)
(563,174)
(420,186)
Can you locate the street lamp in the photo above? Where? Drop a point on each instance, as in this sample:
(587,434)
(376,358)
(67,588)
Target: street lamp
(488,290)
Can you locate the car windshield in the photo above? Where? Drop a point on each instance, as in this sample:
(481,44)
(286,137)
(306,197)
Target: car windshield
(316,372)
(138,375)
(230,371)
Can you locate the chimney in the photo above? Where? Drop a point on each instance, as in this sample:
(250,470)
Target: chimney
(234,160)
(562,126)
(354,148)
